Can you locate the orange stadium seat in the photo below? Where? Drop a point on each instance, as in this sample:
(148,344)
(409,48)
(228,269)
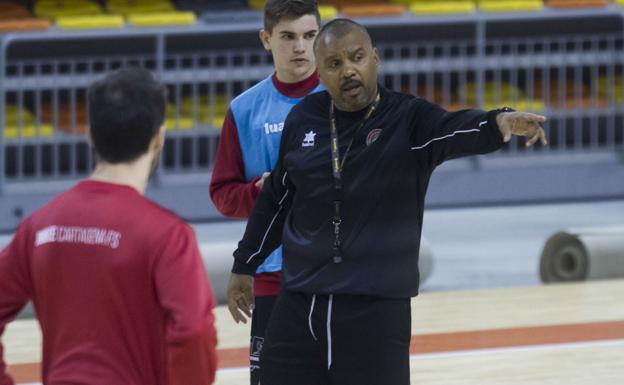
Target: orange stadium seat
(25,24)
(11,10)
(573,97)
(15,17)
(64,117)
(373,10)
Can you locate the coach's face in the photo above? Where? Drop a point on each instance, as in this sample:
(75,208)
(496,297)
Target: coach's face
(347,67)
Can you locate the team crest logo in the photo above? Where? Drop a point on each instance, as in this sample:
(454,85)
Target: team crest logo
(308,141)
(372,136)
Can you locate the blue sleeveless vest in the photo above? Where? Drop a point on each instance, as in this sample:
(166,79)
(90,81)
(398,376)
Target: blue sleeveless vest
(259,114)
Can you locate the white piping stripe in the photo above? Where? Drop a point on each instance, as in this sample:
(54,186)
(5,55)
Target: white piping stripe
(284,197)
(269,228)
(444,137)
(284,179)
(310,317)
(483,123)
(329,344)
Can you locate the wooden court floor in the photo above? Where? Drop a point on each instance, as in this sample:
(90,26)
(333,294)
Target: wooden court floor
(557,334)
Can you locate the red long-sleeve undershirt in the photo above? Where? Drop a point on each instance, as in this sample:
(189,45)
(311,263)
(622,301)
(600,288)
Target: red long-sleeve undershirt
(231,193)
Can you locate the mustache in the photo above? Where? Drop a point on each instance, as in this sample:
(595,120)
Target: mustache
(350,83)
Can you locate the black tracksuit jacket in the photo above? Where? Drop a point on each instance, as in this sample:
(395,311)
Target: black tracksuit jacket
(384,185)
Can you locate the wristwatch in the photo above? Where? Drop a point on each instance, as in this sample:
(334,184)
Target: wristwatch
(494,113)
(505,109)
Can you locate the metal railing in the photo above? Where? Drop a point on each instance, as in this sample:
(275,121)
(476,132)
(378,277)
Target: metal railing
(576,79)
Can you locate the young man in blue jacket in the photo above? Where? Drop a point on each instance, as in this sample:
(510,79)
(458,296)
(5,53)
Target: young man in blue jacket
(251,134)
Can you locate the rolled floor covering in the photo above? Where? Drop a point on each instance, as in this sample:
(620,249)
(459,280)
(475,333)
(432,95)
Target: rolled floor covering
(583,255)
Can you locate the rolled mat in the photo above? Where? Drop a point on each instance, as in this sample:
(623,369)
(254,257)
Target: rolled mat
(583,255)
(425,260)
(217,257)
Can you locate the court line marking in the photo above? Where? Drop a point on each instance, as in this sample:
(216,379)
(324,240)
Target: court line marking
(467,353)
(514,349)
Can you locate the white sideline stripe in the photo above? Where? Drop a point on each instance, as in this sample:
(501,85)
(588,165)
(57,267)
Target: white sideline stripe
(446,136)
(466,353)
(283,198)
(513,349)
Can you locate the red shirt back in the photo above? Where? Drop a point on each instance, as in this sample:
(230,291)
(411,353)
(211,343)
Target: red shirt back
(119,289)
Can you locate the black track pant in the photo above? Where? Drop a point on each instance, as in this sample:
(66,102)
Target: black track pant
(259,321)
(337,340)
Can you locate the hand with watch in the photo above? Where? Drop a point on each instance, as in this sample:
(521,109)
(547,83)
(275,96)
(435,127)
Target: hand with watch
(519,123)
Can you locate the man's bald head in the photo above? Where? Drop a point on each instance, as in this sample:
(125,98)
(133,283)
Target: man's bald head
(337,29)
(347,64)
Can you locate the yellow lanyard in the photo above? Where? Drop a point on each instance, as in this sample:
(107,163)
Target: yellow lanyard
(337,167)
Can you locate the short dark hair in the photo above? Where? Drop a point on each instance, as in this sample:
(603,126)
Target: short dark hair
(126,110)
(278,10)
(339,28)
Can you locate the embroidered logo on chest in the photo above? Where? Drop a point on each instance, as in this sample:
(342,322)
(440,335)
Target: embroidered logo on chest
(308,141)
(372,136)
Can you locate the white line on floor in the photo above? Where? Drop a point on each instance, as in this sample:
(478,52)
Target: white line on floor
(465,353)
(528,348)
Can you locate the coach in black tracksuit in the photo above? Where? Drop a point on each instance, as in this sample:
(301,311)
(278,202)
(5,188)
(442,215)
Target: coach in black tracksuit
(349,217)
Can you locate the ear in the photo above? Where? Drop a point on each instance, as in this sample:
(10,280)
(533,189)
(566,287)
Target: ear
(89,137)
(158,141)
(264,39)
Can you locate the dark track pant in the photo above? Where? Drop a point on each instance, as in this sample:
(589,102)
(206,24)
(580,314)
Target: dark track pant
(337,340)
(259,322)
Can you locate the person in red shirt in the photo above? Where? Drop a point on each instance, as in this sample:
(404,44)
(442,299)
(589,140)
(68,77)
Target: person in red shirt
(117,282)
